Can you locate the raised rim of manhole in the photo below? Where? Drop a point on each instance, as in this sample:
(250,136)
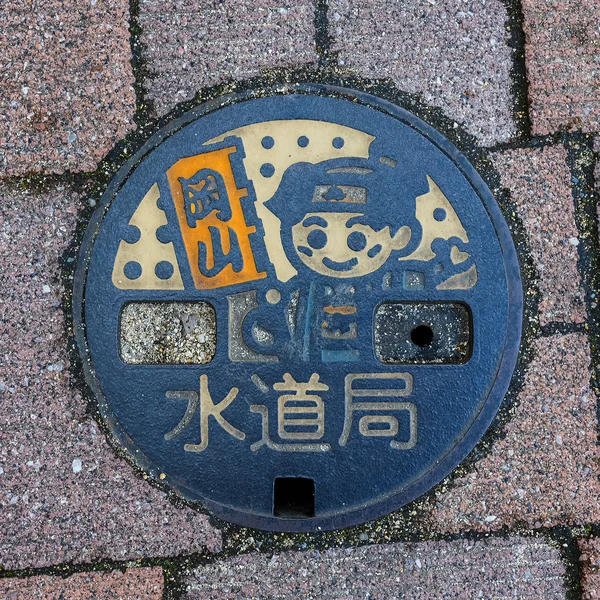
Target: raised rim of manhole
(387,283)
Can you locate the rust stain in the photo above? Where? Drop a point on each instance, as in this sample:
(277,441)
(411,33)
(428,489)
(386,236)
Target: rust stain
(345,309)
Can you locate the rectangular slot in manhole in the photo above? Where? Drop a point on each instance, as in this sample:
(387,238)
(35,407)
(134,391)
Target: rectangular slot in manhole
(294,497)
(423,333)
(167,333)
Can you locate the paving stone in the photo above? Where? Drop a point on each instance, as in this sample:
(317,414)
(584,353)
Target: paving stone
(141,584)
(539,182)
(494,568)
(545,469)
(454,54)
(562,54)
(596,148)
(66,84)
(188,46)
(590,567)
(597,168)
(64,495)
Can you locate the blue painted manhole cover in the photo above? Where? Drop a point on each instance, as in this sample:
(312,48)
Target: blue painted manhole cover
(301,311)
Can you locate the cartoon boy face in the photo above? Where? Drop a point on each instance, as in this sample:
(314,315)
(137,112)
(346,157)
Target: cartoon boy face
(338,244)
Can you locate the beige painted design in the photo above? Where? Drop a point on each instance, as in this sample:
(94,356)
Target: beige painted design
(457,257)
(448,228)
(300,408)
(240,305)
(266,440)
(376,402)
(273,296)
(336,251)
(285,153)
(461,281)
(364,426)
(148,251)
(208,408)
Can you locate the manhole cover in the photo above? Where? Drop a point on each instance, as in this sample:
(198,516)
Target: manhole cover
(300,310)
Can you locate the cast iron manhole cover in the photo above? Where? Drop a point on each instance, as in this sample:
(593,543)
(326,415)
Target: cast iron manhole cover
(300,310)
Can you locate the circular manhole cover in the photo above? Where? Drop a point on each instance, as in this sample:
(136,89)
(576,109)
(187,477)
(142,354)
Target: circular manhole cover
(300,310)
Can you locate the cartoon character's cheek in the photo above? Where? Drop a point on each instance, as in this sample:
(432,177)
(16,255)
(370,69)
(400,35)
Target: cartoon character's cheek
(305,250)
(374,251)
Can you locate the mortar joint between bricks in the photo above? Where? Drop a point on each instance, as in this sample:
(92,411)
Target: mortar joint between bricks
(519,80)
(327,57)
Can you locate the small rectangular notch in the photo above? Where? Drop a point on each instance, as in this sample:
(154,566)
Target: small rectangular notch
(294,497)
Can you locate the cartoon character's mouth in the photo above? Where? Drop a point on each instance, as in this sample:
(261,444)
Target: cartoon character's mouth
(334,265)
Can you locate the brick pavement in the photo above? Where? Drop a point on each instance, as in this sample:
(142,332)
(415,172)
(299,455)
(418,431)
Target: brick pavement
(66,84)
(66,98)
(456,55)
(597,169)
(590,564)
(516,568)
(539,182)
(188,46)
(141,584)
(563,64)
(544,471)
(79,501)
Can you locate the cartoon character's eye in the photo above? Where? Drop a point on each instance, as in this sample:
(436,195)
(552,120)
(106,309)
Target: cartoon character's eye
(317,239)
(357,241)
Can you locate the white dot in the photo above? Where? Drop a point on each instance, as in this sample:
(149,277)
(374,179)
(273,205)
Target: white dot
(273,296)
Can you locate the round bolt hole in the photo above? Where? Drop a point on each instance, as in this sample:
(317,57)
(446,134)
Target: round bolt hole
(422,335)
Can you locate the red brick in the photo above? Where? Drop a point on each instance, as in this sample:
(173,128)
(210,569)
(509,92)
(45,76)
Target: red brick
(66,94)
(141,584)
(590,567)
(454,54)
(562,55)
(493,568)
(539,183)
(189,46)
(55,510)
(544,471)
